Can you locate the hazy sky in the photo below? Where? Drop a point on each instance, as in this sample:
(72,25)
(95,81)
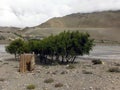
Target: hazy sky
(22,13)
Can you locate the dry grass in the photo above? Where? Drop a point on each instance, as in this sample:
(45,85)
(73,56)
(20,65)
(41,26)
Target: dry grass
(2,79)
(50,80)
(87,72)
(71,66)
(97,61)
(58,85)
(114,70)
(30,87)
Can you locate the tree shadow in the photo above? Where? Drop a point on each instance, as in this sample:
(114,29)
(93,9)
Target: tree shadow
(49,62)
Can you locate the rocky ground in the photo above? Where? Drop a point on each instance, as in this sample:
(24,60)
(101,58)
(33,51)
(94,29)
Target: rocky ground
(80,76)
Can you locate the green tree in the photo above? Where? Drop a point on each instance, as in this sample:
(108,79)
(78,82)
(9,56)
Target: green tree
(17,47)
(64,47)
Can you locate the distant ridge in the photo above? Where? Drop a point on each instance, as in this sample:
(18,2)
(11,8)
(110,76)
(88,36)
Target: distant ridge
(102,19)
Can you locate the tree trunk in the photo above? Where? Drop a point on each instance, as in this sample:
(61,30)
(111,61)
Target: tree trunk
(73,59)
(62,59)
(15,56)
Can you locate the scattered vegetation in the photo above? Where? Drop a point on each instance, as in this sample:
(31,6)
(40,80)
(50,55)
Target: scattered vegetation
(70,66)
(97,61)
(5,63)
(87,72)
(50,80)
(114,69)
(58,85)
(31,86)
(46,67)
(2,38)
(117,64)
(102,41)
(18,35)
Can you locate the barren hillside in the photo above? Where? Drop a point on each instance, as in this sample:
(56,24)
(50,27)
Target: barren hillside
(102,26)
(95,19)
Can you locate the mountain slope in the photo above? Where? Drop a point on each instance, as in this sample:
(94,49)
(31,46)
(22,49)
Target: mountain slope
(95,19)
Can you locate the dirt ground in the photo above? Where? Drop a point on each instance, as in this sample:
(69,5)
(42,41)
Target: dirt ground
(83,76)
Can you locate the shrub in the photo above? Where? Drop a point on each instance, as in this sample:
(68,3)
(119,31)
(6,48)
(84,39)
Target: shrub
(117,64)
(5,63)
(64,72)
(70,66)
(58,85)
(31,86)
(2,38)
(97,61)
(114,69)
(50,80)
(87,72)
(2,79)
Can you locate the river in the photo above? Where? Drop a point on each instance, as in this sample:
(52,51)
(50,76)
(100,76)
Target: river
(104,52)
(2,48)
(98,52)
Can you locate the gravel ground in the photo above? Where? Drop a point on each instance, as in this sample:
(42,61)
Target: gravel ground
(96,78)
(84,76)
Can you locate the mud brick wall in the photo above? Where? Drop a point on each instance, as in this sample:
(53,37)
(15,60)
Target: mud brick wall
(27,62)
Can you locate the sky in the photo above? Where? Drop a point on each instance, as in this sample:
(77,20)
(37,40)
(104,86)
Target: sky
(29,13)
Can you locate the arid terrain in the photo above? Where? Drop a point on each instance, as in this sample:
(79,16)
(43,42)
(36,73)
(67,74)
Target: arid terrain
(104,27)
(82,76)
(102,35)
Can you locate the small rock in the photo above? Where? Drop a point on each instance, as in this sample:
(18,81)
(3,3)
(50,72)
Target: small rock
(44,88)
(91,88)
(84,89)
(67,85)
(112,81)
(67,65)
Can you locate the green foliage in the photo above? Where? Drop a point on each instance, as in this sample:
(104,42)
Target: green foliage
(18,35)
(18,46)
(34,46)
(2,38)
(64,47)
(31,86)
